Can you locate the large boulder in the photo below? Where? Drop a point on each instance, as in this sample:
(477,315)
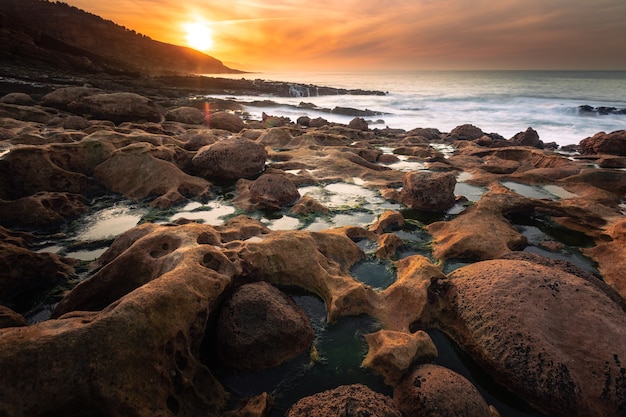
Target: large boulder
(231,158)
(117,107)
(523,323)
(613,143)
(260,327)
(428,191)
(346,400)
(435,391)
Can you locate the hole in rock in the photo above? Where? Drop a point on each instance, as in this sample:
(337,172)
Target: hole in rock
(173,405)
(453,357)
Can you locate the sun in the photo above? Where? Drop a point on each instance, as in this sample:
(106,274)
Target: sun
(198,35)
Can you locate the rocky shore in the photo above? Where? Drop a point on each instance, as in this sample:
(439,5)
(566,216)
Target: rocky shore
(158,321)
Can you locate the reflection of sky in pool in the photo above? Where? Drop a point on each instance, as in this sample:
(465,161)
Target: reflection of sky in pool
(212,213)
(109,222)
(550,192)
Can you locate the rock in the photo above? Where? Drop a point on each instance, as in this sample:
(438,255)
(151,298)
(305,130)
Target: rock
(76,123)
(141,255)
(435,391)
(260,327)
(613,143)
(358,123)
(275,137)
(523,323)
(117,107)
(258,406)
(428,191)
(225,121)
(304,121)
(392,353)
(389,221)
(388,245)
(62,97)
(528,138)
(308,205)
(25,113)
(9,318)
(197,138)
(187,115)
(346,400)
(269,191)
(388,158)
(138,357)
(41,209)
(318,122)
(610,254)
(466,132)
(231,158)
(27,275)
(481,231)
(21,99)
(136,173)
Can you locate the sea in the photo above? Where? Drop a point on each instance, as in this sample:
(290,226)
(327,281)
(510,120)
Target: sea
(502,102)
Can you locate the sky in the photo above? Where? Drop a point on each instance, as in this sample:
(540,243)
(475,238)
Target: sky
(334,35)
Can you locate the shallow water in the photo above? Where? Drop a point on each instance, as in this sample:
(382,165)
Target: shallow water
(549,192)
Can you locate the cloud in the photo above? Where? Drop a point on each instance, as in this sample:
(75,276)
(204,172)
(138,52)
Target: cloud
(394,34)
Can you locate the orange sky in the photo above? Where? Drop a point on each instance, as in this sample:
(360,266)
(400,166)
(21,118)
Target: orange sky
(396,34)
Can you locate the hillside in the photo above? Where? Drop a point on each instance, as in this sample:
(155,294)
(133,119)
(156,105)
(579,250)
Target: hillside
(57,34)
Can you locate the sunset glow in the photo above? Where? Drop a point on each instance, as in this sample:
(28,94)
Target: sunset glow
(422,34)
(198,36)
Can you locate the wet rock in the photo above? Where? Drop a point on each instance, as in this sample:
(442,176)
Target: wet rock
(523,323)
(428,191)
(528,138)
(269,191)
(260,327)
(128,169)
(346,400)
(62,97)
(225,121)
(187,115)
(258,406)
(435,391)
(231,158)
(117,107)
(148,339)
(613,143)
(391,353)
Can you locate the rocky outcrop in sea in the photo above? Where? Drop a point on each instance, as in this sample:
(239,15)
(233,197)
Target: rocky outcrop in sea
(506,249)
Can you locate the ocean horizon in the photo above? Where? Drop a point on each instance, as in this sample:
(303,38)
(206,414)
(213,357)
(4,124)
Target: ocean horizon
(497,101)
